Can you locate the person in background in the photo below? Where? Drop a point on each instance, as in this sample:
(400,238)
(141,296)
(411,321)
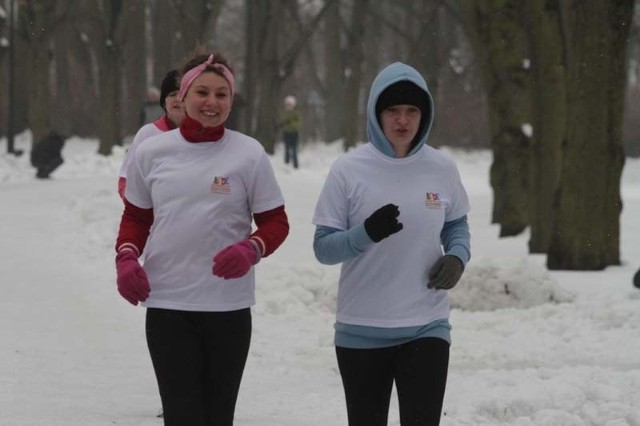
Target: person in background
(290,123)
(201,186)
(46,155)
(636,279)
(172,117)
(150,110)
(386,212)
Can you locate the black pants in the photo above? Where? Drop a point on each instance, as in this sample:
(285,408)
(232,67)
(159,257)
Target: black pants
(198,358)
(419,369)
(291,148)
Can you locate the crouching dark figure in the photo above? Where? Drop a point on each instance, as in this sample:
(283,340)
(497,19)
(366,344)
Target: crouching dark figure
(46,155)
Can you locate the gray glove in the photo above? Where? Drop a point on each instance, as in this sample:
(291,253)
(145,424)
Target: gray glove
(446,272)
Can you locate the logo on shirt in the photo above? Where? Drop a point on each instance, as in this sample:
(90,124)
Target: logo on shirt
(220,185)
(432,200)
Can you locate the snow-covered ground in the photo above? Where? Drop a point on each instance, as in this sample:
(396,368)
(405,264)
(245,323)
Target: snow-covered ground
(530,347)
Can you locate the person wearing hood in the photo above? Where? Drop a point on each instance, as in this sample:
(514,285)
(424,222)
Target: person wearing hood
(201,186)
(173,115)
(393,211)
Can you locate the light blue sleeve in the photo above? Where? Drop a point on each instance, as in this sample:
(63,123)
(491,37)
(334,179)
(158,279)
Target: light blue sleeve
(455,239)
(332,246)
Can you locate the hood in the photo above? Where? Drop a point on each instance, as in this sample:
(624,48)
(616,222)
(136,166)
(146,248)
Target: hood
(389,75)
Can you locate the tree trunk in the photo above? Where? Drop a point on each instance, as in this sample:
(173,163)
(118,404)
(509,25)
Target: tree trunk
(83,97)
(111,16)
(354,76)
(39,90)
(38,21)
(135,67)
(427,47)
(586,231)
(162,40)
(110,83)
(335,114)
(250,60)
(495,30)
(210,21)
(268,79)
(4,76)
(542,21)
(63,52)
(196,24)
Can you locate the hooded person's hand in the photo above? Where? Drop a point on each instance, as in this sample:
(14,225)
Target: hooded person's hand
(445,273)
(383,223)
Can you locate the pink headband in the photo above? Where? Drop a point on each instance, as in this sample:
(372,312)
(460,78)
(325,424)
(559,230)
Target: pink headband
(193,73)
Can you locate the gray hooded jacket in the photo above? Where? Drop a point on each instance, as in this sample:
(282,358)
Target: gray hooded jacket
(389,75)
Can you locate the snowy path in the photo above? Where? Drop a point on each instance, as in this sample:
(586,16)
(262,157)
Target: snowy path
(73,352)
(70,354)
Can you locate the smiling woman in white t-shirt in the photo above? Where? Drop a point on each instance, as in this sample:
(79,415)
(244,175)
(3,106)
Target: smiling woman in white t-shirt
(386,212)
(201,186)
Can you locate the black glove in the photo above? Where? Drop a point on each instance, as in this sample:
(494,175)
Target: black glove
(446,272)
(383,222)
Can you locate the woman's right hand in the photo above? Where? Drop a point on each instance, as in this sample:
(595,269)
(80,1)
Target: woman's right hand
(132,280)
(383,223)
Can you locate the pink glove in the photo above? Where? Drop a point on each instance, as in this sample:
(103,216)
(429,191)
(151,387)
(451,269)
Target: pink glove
(133,284)
(235,260)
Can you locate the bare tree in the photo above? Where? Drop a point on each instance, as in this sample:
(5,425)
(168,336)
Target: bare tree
(586,230)
(549,114)
(178,27)
(265,38)
(495,30)
(63,49)
(354,71)
(107,25)
(37,22)
(76,79)
(135,67)
(631,126)
(164,31)
(334,70)
(4,72)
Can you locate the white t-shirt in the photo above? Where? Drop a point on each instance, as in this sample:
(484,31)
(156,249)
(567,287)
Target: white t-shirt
(203,196)
(386,285)
(144,132)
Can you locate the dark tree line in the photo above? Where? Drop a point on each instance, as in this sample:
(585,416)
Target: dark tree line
(542,83)
(85,66)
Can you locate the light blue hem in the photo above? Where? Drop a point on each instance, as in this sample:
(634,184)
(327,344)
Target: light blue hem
(364,337)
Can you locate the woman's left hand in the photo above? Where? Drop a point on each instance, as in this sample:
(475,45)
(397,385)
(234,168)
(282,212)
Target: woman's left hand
(446,272)
(235,260)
